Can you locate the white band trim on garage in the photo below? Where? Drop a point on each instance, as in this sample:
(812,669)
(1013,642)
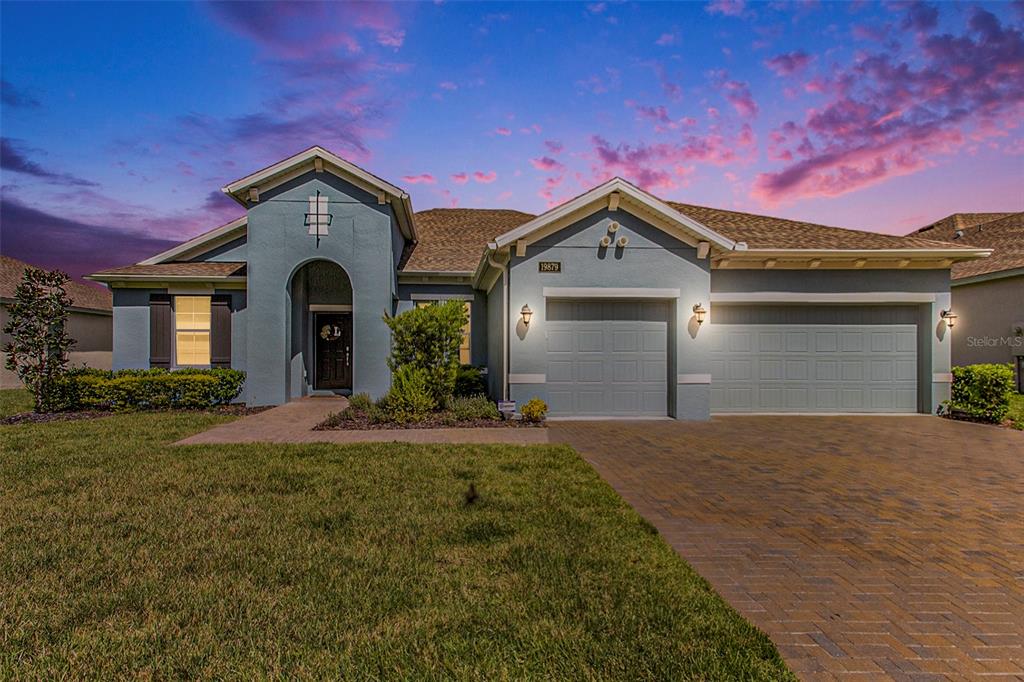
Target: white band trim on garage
(942,378)
(609,292)
(440,297)
(805,297)
(527,378)
(693,379)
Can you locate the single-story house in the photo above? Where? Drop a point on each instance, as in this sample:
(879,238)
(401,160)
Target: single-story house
(90,322)
(614,304)
(988,294)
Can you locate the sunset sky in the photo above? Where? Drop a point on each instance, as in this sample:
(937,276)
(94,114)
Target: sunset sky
(121,122)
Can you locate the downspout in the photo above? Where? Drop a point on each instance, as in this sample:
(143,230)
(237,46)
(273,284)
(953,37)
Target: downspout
(503,267)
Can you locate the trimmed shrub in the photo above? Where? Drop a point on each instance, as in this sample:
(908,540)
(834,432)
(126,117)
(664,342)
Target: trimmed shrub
(428,339)
(981,392)
(150,389)
(469,381)
(410,398)
(468,408)
(534,411)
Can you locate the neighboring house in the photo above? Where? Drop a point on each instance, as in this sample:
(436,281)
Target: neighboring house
(90,322)
(592,306)
(988,295)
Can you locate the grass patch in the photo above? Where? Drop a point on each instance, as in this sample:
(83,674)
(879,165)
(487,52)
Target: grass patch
(14,401)
(1016,413)
(122,556)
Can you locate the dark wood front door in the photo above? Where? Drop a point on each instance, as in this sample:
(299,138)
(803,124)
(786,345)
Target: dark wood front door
(333,350)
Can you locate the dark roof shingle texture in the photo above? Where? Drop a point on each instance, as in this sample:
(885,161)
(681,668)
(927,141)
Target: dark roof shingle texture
(180,269)
(1001,232)
(453,239)
(81,295)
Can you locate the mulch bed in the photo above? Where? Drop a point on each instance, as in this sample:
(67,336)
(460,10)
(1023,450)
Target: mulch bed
(362,422)
(37,418)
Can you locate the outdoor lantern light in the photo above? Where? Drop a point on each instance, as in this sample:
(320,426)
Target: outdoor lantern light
(949,316)
(699,313)
(527,314)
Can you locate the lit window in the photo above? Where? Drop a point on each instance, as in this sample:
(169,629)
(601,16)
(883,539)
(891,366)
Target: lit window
(192,330)
(464,349)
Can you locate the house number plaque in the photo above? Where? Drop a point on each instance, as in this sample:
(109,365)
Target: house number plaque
(550,266)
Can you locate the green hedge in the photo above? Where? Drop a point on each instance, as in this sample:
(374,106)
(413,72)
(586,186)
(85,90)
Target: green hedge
(151,389)
(981,392)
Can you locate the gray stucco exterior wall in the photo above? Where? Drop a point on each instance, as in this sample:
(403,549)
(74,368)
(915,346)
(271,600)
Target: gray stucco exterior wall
(988,313)
(652,260)
(495,339)
(359,241)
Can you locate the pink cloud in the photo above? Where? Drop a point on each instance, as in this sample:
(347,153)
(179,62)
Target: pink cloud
(788,63)
(421,179)
(738,94)
(554,146)
(533,128)
(460,178)
(504,132)
(729,8)
(485,178)
(666,39)
(393,39)
(546,164)
(547,191)
(597,7)
(448,85)
(598,84)
(886,118)
(504,196)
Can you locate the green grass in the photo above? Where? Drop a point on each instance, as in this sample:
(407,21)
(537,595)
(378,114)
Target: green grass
(1016,413)
(14,400)
(121,556)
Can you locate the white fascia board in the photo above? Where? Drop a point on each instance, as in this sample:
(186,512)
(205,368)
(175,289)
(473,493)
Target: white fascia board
(215,235)
(601,192)
(305,157)
(165,278)
(988,276)
(912,253)
(832,297)
(609,292)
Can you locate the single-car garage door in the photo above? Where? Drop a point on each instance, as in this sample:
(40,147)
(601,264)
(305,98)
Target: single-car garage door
(607,358)
(813,368)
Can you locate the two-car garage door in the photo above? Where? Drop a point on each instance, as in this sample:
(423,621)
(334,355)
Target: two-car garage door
(813,368)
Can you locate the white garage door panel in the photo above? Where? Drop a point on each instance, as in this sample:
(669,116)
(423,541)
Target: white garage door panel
(607,358)
(813,368)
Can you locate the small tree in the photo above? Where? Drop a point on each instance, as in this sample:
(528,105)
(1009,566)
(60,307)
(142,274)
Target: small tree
(428,338)
(37,326)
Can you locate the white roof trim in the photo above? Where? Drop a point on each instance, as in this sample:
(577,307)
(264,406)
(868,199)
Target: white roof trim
(646,200)
(906,252)
(215,235)
(608,292)
(308,156)
(726,298)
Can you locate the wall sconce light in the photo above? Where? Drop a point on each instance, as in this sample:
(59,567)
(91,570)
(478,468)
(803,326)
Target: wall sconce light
(527,314)
(949,316)
(699,312)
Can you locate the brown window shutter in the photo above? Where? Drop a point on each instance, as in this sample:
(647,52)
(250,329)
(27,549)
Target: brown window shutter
(161,330)
(220,331)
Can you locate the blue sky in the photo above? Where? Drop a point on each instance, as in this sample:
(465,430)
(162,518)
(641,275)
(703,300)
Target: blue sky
(120,128)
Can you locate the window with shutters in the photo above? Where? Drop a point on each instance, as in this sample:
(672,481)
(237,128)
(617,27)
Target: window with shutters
(192,331)
(465,352)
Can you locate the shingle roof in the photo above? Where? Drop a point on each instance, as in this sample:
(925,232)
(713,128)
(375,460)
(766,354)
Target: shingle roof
(1001,232)
(213,269)
(81,295)
(453,239)
(766,232)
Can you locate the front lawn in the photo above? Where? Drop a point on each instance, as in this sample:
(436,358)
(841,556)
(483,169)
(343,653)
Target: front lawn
(122,556)
(14,401)
(1016,413)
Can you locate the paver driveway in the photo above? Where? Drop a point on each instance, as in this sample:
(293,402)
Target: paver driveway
(864,546)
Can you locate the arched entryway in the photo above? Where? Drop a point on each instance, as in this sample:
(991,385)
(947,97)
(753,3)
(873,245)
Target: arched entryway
(321,356)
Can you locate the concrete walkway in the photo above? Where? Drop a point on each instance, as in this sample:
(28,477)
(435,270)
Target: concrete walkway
(294,422)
